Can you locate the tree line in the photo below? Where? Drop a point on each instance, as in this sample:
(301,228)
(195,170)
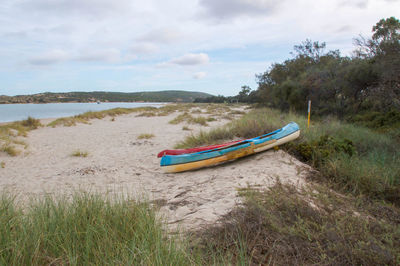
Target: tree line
(367,83)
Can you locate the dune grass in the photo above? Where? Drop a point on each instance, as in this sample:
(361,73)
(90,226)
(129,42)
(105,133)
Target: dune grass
(86,230)
(188,118)
(355,158)
(11,133)
(143,111)
(79,153)
(145,136)
(280,227)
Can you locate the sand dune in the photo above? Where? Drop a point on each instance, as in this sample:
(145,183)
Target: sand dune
(118,162)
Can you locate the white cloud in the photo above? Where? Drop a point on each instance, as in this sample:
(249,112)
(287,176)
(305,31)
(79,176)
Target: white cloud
(95,8)
(163,35)
(49,58)
(144,48)
(199,75)
(355,3)
(191,59)
(106,55)
(227,9)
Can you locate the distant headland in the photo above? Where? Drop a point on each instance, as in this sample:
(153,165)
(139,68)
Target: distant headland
(103,96)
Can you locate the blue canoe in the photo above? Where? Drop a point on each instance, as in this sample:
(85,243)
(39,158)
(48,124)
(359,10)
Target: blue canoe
(185,162)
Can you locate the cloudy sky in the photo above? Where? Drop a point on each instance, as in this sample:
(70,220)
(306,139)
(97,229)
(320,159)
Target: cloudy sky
(213,46)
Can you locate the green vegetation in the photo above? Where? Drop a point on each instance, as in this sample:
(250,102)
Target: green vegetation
(362,89)
(180,118)
(79,153)
(3,165)
(185,128)
(186,117)
(11,133)
(143,111)
(279,226)
(95,96)
(145,136)
(314,226)
(87,230)
(85,117)
(350,157)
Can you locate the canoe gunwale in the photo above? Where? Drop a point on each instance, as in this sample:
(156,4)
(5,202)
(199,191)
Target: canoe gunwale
(252,149)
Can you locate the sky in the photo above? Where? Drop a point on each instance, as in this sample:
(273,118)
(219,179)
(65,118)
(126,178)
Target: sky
(213,46)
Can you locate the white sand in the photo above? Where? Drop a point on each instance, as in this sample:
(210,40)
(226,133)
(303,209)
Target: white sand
(120,163)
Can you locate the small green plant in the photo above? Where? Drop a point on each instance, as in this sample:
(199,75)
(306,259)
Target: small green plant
(145,136)
(10,150)
(31,123)
(3,165)
(147,114)
(198,120)
(236,112)
(185,128)
(79,153)
(181,118)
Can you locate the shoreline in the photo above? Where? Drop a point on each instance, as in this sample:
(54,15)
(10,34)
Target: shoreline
(142,104)
(120,162)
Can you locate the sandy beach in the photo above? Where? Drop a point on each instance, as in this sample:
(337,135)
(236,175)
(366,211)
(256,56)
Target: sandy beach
(119,162)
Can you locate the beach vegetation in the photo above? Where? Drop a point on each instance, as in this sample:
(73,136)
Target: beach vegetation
(3,165)
(11,134)
(285,225)
(87,229)
(180,118)
(185,128)
(349,157)
(196,111)
(147,114)
(79,153)
(186,117)
(198,120)
(145,136)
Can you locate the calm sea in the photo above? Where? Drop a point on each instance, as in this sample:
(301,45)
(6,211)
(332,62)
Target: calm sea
(14,112)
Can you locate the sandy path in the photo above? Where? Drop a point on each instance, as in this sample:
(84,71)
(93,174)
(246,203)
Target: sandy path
(120,163)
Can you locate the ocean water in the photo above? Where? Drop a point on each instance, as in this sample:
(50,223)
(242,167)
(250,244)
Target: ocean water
(15,112)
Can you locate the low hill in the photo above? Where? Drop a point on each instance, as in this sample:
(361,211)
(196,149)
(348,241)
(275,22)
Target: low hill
(102,96)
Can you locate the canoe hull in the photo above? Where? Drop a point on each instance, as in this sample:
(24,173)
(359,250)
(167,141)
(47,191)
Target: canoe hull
(230,155)
(193,150)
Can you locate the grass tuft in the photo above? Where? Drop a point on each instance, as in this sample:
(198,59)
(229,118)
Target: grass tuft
(145,136)
(79,153)
(10,134)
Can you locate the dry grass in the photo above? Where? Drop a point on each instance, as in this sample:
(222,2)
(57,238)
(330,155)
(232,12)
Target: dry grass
(145,136)
(186,117)
(79,153)
(11,134)
(280,226)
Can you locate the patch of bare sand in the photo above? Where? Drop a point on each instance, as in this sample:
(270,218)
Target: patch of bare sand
(118,162)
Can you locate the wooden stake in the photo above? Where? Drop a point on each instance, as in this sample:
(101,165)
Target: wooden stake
(309,113)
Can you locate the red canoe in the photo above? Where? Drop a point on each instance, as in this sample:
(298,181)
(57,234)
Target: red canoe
(192,150)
